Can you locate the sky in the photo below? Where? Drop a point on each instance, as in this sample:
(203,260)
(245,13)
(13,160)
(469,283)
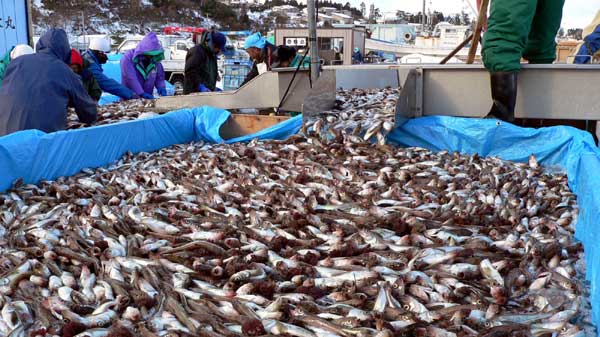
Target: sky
(577,13)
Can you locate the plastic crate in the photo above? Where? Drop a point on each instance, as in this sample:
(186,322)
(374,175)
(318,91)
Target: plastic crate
(235,71)
(232,82)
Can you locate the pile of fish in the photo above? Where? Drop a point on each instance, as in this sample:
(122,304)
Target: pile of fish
(116,112)
(366,113)
(305,237)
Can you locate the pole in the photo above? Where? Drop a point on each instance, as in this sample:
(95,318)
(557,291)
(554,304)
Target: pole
(312,40)
(457,49)
(477,34)
(423,18)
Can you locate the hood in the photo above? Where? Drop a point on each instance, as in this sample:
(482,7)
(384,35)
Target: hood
(76,58)
(148,46)
(56,43)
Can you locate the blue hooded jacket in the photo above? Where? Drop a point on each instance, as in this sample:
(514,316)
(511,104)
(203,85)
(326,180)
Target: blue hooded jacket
(591,45)
(106,83)
(38,88)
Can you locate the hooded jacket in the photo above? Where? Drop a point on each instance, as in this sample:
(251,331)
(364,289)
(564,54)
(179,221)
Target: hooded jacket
(200,68)
(39,87)
(89,82)
(106,83)
(141,70)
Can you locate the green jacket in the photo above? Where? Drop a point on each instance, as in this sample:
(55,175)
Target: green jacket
(90,83)
(3,65)
(297,59)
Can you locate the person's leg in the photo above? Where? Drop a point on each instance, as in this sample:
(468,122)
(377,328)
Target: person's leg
(503,45)
(506,38)
(541,47)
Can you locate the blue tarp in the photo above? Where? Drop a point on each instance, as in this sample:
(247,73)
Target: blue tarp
(568,148)
(33,155)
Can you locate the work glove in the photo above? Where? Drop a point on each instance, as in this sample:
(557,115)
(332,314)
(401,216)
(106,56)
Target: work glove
(146,96)
(162,91)
(203,88)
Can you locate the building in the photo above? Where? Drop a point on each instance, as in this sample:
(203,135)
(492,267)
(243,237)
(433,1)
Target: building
(286,10)
(327,10)
(341,18)
(335,44)
(330,16)
(394,33)
(325,20)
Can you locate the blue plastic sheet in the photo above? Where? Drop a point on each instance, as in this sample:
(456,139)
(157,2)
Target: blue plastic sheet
(34,155)
(572,150)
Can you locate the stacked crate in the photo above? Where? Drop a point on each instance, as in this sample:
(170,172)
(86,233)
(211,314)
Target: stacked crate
(235,69)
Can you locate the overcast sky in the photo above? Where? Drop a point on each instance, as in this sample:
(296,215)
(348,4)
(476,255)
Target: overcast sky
(577,13)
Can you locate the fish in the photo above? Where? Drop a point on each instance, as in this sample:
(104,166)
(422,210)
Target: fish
(328,233)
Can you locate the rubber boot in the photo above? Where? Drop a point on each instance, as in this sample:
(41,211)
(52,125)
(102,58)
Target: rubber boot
(504,96)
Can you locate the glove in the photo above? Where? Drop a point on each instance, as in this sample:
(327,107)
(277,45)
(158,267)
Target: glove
(203,88)
(146,96)
(162,91)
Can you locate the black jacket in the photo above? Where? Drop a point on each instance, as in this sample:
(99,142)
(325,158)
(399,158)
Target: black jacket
(38,88)
(200,68)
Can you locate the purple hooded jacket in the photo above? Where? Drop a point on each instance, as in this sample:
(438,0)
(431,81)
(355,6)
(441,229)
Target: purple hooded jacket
(132,70)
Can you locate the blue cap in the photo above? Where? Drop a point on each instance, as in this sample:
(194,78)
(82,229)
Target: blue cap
(255,40)
(219,40)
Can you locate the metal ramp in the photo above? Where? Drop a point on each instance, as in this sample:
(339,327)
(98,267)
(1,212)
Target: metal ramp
(566,92)
(545,91)
(266,91)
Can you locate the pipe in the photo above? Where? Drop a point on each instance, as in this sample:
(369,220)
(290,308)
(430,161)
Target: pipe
(312,40)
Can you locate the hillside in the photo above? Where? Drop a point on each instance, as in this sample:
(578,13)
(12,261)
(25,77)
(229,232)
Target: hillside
(122,17)
(118,17)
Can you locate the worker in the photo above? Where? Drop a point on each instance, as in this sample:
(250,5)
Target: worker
(287,57)
(141,70)
(89,82)
(518,29)
(589,52)
(95,57)
(261,53)
(284,56)
(38,89)
(19,50)
(201,70)
(357,56)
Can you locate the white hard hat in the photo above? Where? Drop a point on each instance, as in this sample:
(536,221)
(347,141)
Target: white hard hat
(20,50)
(100,44)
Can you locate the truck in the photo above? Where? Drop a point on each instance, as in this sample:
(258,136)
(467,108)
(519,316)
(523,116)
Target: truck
(15,24)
